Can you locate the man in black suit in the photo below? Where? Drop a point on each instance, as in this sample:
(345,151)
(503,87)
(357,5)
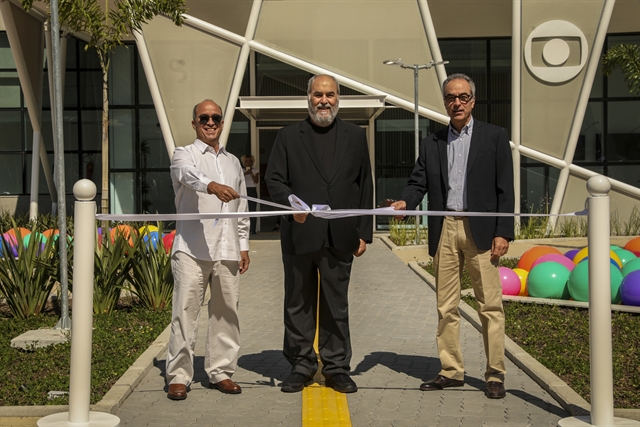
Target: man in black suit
(466,167)
(321,160)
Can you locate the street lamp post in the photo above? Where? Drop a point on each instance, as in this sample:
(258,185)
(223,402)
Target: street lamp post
(415,67)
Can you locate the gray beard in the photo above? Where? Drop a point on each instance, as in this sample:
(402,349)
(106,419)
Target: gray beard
(321,120)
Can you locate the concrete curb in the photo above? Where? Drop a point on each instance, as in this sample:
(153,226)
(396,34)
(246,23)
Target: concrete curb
(571,401)
(114,398)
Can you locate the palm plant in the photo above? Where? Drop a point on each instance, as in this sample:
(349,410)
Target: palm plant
(26,280)
(151,278)
(111,271)
(626,57)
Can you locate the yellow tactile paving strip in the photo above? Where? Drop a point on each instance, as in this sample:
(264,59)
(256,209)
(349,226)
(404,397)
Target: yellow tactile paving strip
(322,406)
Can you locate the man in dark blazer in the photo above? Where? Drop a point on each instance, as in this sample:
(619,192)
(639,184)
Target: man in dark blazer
(466,167)
(321,160)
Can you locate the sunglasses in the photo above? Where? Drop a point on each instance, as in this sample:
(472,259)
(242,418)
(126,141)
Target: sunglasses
(203,119)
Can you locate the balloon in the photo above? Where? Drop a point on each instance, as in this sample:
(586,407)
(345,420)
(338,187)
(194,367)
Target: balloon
(548,280)
(579,283)
(11,242)
(583,254)
(167,240)
(529,257)
(510,281)
(147,229)
(522,274)
(630,266)
(153,237)
(39,236)
(560,259)
(633,245)
(625,255)
(23,232)
(630,288)
(123,230)
(50,232)
(571,253)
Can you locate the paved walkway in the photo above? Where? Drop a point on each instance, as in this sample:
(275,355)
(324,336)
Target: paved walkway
(393,321)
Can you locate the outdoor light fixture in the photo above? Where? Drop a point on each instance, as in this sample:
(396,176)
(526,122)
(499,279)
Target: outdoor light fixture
(415,67)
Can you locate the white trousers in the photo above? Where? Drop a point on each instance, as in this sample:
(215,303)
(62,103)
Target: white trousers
(191,278)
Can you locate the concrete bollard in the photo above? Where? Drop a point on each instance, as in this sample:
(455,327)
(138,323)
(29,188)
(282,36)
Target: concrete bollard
(82,320)
(599,312)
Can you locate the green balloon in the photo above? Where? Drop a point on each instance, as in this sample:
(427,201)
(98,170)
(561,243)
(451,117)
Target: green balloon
(625,255)
(630,266)
(579,283)
(548,280)
(41,238)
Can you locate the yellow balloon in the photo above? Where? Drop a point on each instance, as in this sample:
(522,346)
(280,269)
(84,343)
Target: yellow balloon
(522,274)
(147,229)
(584,253)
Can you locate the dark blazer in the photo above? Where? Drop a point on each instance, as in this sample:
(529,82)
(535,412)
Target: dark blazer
(489,183)
(295,168)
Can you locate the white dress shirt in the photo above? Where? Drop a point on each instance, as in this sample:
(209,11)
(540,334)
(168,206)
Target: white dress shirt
(192,169)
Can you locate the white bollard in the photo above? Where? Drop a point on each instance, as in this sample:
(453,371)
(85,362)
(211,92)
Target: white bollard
(82,320)
(599,311)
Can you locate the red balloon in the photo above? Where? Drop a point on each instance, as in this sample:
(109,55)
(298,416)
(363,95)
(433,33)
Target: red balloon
(167,240)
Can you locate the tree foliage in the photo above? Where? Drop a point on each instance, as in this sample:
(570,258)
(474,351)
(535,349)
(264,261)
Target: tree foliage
(626,57)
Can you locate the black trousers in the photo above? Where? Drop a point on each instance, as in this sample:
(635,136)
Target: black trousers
(300,309)
(252,192)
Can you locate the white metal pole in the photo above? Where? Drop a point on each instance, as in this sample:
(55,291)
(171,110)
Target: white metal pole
(600,302)
(80,371)
(516,85)
(599,312)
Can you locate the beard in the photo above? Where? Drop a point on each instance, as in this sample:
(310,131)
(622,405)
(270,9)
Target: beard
(320,119)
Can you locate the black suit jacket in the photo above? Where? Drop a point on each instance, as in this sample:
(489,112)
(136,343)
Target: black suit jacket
(489,183)
(295,168)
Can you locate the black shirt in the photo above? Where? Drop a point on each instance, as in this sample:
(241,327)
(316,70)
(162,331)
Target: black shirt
(324,138)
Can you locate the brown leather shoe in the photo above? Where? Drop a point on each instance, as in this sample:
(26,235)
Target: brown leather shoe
(440,382)
(177,392)
(226,386)
(495,390)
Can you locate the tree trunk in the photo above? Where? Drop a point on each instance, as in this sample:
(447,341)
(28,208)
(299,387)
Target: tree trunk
(105,143)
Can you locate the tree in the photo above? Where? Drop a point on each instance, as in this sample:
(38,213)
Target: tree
(627,58)
(106,28)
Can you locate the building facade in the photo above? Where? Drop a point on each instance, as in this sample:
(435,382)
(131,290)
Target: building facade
(535,64)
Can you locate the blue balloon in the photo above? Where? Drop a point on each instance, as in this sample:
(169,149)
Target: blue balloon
(153,237)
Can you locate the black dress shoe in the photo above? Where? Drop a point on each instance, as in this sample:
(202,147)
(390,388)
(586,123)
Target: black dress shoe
(440,382)
(341,383)
(495,390)
(295,382)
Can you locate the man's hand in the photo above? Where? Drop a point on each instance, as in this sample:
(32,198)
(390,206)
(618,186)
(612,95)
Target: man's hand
(244,261)
(400,205)
(300,218)
(223,192)
(361,249)
(499,247)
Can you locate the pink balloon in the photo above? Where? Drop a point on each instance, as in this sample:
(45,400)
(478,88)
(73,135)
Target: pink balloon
(560,259)
(510,281)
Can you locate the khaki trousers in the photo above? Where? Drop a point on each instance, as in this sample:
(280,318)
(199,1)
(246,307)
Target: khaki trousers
(456,248)
(191,278)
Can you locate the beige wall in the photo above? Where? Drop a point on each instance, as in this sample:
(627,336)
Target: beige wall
(471,18)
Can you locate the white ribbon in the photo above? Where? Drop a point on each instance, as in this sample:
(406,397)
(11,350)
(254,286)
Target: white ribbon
(321,211)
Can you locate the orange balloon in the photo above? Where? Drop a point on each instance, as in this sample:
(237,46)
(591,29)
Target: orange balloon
(633,244)
(23,232)
(50,232)
(529,257)
(123,230)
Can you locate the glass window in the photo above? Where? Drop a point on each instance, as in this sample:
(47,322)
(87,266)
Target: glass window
(500,64)
(589,147)
(91,89)
(122,193)
(623,134)
(69,129)
(10,90)
(629,174)
(122,139)
(92,169)
(88,57)
(157,192)
(71,174)
(537,186)
(11,167)
(72,52)
(10,131)
(468,57)
(91,128)
(70,91)
(144,94)
(616,85)
(121,82)
(153,151)
(6,57)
